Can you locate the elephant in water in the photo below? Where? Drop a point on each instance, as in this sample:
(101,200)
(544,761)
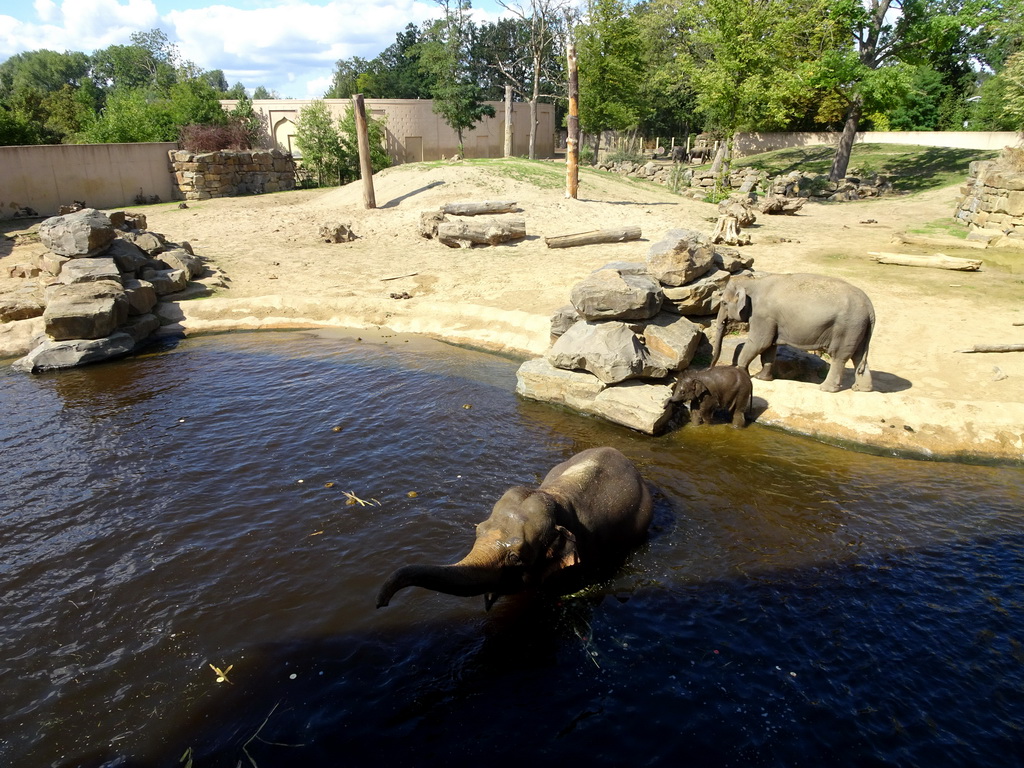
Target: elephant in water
(811,312)
(583,519)
(726,388)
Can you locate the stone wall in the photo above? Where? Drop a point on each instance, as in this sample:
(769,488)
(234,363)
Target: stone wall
(993,199)
(228,173)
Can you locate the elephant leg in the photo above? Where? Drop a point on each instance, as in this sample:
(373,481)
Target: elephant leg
(739,416)
(767,363)
(834,380)
(861,373)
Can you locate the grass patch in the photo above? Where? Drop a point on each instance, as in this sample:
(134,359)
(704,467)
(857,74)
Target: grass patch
(540,173)
(912,168)
(944,227)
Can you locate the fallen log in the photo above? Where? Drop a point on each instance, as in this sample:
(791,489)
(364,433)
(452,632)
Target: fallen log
(940,242)
(594,237)
(936,261)
(476,209)
(994,348)
(464,234)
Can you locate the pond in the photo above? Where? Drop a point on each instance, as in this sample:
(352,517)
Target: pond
(191,542)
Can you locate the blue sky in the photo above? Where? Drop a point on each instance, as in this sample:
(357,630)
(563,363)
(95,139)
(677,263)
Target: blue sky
(288,46)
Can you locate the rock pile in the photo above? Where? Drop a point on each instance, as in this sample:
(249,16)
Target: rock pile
(628,329)
(101,279)
(228,173)
(992,201)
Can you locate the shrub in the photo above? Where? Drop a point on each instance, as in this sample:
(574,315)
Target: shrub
(210,138)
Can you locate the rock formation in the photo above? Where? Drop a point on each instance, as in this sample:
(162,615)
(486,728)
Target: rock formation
(627,331)
(95,288)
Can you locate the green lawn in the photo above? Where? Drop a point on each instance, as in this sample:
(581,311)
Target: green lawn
(913,168)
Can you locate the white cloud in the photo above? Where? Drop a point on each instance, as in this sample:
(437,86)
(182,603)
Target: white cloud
(46,10)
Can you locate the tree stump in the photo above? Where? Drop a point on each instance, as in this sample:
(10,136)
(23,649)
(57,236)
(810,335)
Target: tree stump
(428,223)
(727,231)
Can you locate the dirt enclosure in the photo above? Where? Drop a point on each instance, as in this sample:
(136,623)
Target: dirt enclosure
(930,398)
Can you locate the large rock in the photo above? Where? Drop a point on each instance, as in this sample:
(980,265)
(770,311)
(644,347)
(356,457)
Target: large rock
(21,304)
(672,341)
(52,263)
(634,404)
(697,298)
(539,380)
(679,258)
(638,405)
(564,319)
(17,337)
(731,260)
(129,258)
(609,295)
(52,355)
(87,232)
(140,327)
(141,296)
(181,258)
(85,310)
(89,270)
(609,350)
(167,281)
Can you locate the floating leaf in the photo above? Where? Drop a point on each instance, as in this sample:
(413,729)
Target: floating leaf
(328,485)
(353,499)
(336,429)
(412,494)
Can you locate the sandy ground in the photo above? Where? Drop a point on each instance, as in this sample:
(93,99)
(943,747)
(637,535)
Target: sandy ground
(930,398)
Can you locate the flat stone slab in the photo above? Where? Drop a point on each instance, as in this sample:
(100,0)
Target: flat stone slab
(70,353)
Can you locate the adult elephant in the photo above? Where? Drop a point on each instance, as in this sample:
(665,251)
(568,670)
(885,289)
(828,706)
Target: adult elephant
(811,312)
(584,518)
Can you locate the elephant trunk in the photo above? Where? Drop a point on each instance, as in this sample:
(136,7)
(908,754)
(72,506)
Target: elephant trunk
(461,580)
(716,343)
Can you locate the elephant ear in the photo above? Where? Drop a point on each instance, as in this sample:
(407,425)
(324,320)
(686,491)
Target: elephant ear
(561,553)
(741,302)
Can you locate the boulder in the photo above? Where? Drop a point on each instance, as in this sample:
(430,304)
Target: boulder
(129,258)
(539,380)
(672,341)
(638,405)
(89,270)
(17,337)
(564,319)
(698,298)
(21,271)
(52,355)
(339,232)
(731,260)
(52,263)
(21,304)
(165,281)
(140,327)
(153,243)
(180,258)
(609,295)
(87,232)
(609,350)
(141,296)
(85,310)
(679,258)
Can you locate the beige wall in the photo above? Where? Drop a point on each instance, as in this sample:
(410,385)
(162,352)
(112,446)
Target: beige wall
(414,132)
(753,143)
(100,175)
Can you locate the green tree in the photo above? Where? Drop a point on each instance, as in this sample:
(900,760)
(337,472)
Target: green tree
(345,81)
(249,121)
(1013,91)
(261,92)
(15,130)
(317,138)
(445,56)
(611,69)
(131,116)
(379,158)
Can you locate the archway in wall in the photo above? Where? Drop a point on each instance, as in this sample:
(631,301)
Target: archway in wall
(284,137)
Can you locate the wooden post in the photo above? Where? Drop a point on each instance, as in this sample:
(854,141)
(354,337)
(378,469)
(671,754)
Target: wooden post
(508,121)
(572,151)
(363,138)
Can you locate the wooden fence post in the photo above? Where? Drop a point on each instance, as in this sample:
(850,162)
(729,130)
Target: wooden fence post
(572,151)
(363,139)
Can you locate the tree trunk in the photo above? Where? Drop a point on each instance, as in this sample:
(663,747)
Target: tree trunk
(841,161)
(572,153)
(363,139)
(475,209)
(508,121)
(621,235)
(936,261)
(463,234)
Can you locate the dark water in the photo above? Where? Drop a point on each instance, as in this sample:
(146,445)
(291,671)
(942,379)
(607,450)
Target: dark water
(796,605)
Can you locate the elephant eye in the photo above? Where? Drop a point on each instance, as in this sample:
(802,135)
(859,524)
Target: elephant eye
(513,558)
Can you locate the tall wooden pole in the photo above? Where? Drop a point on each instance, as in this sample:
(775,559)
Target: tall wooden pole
(508,121)
(572,150)
(363,138)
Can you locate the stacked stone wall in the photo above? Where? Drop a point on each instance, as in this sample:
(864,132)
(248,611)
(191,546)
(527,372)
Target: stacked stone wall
(228,173)
(993,199)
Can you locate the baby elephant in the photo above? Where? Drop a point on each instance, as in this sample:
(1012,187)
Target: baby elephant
(725,387)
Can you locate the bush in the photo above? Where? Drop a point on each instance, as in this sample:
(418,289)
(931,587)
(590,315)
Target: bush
(210,138)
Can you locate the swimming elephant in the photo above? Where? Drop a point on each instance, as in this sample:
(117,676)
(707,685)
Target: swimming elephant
(726,387)
(583,519)
(811,312)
